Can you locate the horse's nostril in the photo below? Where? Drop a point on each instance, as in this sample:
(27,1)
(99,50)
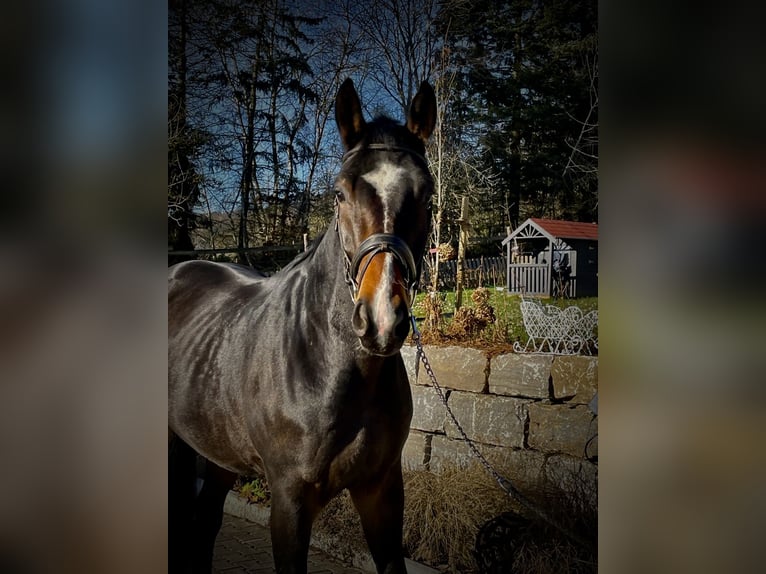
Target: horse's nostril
(360,321)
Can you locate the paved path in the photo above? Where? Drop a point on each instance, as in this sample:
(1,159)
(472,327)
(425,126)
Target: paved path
(244,547)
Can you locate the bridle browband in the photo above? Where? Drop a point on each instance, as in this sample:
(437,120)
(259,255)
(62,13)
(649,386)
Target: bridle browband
(379,242)
(382,147)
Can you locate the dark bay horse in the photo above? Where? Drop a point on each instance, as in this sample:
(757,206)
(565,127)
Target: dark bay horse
(299,375)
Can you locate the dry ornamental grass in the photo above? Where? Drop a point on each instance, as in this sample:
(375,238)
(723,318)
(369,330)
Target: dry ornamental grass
(460,521)
(443,513)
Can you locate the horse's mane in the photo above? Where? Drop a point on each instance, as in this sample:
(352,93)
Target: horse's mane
(386,130)
(301,257)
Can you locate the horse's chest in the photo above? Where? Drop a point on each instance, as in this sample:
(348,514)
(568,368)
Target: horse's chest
(356,451)
(362,458)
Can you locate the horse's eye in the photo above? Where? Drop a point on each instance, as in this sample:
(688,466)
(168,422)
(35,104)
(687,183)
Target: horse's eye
(427,197)
(339,195)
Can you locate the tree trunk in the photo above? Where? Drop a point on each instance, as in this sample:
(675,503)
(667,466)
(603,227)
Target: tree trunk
(246,183)
(463,240)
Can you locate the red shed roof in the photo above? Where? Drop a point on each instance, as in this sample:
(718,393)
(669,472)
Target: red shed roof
(568,229)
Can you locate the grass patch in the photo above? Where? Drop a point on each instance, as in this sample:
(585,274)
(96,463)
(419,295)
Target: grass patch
(254,489)
(437,317)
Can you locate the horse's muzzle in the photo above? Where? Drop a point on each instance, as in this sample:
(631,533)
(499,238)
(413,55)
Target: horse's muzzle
(381,331)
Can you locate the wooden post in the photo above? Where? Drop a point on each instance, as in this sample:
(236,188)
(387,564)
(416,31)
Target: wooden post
(462,241)
(550,269)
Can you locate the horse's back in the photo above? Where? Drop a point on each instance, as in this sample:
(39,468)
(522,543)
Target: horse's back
(193,284)
(208,306)
(209,275)
(209,309)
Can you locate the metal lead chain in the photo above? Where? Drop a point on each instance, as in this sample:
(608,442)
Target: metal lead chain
(504,483)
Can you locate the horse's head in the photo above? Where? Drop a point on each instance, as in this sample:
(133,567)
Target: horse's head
(383,195)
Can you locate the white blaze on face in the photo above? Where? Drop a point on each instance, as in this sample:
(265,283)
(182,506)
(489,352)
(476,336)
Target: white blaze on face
(384,179)
(383,308)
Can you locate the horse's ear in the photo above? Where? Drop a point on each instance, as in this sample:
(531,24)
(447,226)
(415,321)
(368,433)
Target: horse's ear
(422,117)
(348,115)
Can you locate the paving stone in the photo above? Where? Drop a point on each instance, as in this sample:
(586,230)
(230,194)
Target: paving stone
(255,562)
(259,560)
(229,555)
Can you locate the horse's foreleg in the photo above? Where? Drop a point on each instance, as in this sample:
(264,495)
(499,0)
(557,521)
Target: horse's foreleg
(292,514)
(181,493)
(209,514)
(381,508)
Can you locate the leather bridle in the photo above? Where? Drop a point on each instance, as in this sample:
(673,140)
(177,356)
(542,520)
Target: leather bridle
(379,242)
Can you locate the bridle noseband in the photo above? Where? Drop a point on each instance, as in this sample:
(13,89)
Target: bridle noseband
(379,242)
(384,243)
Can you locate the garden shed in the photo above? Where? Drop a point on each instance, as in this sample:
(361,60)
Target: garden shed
(549,255)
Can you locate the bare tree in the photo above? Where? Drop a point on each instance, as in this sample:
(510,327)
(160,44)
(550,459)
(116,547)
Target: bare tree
(335,42)
(456,172)
(183,180)
(399,43)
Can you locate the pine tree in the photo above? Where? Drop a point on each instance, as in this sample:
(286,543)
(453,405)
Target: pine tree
(524,86)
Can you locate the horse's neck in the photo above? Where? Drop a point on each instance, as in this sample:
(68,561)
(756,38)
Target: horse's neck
(328,273)
(325,288)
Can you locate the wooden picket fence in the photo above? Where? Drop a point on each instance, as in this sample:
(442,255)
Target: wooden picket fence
(480,271)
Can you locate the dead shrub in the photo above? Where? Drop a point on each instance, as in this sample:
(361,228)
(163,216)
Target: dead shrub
(469,322)
(433,323)
(447,252)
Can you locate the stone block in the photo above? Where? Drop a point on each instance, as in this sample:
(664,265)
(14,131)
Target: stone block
(561,428)
(517,465)
(575,378)
(417,451)
(428,410)
(488,419)
(448,453)
(456,368)
(409,356)
(238,506)
(520,375)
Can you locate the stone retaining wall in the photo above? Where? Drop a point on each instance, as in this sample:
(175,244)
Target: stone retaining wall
(531,414)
